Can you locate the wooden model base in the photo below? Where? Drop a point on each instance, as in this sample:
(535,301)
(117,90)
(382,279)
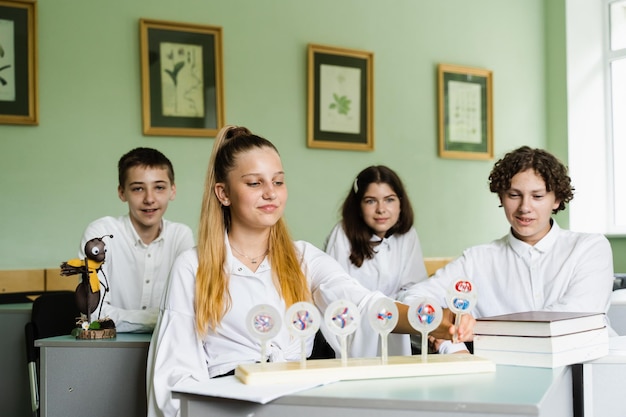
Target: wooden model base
(362,368)
(97,334)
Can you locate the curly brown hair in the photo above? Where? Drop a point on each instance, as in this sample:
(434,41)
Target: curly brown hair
(553,172)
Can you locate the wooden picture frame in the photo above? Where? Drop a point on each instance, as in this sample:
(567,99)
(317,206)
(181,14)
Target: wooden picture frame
(181,79)
(340,98)
(465,112)
(19,95)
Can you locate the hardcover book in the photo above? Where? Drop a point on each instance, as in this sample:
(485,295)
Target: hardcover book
(545,360)
(542,344)
(539,323)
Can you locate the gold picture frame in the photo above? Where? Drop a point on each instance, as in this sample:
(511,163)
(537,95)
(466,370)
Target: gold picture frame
(19,92)
(340,108)
(465,112)
(181,78)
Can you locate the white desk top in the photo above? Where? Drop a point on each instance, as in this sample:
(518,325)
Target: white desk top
(510,389)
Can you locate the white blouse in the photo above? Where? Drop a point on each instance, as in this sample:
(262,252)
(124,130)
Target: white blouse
(564,271)
(397,265)
(136,273)
(177,353)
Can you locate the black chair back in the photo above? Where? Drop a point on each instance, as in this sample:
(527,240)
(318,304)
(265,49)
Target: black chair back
(18,297)
(54,314)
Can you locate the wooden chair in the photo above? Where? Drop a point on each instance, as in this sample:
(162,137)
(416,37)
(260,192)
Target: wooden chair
(21,280)
(433,264)
(56,282)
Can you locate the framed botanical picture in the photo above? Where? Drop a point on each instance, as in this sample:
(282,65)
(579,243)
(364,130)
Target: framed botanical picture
(340,98)
(465,112)
(181,79)
(19,102)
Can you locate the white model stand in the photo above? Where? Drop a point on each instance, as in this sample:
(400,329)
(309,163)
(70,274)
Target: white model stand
(342,318)
(362,368)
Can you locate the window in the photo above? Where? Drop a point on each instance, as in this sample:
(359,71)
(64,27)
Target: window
(615,61)
(596,90)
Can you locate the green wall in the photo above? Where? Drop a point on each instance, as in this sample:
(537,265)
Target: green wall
(58,176)
(619,249)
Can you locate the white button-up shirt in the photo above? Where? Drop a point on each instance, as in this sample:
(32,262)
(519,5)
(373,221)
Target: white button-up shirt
(177,353)
(564,271)
(397,265)
(135,273)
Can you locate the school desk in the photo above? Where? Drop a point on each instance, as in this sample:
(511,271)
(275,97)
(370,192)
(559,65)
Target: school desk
(15,391)
(510,391)
(604,382)
(103,377)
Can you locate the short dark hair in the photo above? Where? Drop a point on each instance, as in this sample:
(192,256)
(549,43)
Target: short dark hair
(553,172)
(358,232)
(144,157)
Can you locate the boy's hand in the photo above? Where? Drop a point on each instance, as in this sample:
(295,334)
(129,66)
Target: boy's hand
(435,346)
(446,329)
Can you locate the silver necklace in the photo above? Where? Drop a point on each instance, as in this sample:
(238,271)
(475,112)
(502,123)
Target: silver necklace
(253,260)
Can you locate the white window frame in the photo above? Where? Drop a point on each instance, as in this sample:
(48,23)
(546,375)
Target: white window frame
(609,58)
(590,145)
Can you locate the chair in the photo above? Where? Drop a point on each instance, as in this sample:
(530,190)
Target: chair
(54,314)
(619,281)
(321,348)
(433,264)
(18,297)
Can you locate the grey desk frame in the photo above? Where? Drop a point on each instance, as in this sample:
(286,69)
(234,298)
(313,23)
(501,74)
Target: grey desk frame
(106,377)
(15,392)
(604,386)
(509,392)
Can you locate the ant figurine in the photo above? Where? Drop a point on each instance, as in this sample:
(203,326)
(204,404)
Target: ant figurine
(88,294)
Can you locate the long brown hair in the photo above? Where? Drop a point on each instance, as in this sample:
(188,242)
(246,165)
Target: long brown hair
(212,298)
(358,232)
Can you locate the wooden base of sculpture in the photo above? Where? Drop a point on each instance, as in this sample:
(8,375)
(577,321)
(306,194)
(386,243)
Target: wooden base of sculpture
(97,334)
(362,368)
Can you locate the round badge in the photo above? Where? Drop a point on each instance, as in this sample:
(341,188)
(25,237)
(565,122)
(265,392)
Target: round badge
(461,297)
(383,316)
(342,317)
(463,285)
(263,321)
(302,319)
(425,314)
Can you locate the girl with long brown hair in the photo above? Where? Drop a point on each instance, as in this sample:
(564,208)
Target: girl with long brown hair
(376,243)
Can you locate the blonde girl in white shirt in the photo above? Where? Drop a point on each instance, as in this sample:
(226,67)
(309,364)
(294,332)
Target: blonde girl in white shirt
(244,257)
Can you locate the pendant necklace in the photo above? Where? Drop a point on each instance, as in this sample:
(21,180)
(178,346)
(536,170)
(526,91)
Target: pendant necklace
(253,260)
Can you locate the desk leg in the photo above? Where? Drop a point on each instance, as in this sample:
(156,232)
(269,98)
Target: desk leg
(578,389)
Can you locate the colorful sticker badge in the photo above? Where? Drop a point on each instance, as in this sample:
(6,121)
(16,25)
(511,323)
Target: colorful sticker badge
(425,315)
(303,320)
(263,321)
(461,300)
(342,318)
(383,317)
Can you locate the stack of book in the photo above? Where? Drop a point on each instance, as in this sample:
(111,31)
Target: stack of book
(546,339)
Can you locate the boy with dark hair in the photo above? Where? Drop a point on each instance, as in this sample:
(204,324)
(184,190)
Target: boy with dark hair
(144,244)
(536,265)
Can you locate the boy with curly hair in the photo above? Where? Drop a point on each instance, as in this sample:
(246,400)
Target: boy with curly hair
(536,265)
